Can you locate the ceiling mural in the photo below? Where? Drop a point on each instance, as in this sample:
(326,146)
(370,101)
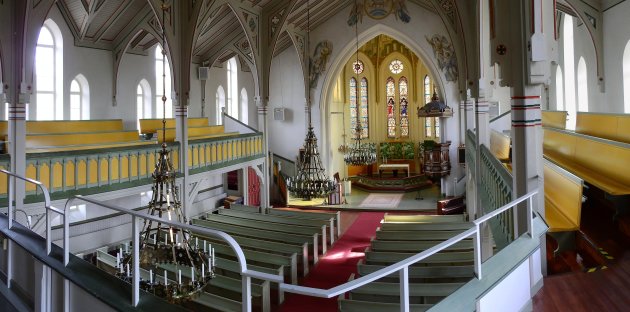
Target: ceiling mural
(378,9)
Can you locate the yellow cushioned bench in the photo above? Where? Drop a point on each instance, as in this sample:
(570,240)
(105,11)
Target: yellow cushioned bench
(563,199)
(500,146)
(614,127)
(153,125)
(602,163)
(82,140)
(66,126)
(554,119)
(197,133)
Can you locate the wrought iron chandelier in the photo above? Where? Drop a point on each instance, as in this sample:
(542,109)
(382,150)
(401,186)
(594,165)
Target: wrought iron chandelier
(177,271)
(359,154)
(311,180)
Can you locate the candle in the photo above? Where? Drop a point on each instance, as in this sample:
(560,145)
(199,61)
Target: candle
(204,246)
(197,242)
(209,265)
(126,248)
(150,276)
(117,259)
(127,269)
(203,268)
(213,259)
(155,239)
(122,270)
(179,276)
(121,253)
(192,273)
(165,279)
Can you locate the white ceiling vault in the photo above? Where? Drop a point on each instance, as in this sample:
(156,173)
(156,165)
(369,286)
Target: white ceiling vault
(106,24)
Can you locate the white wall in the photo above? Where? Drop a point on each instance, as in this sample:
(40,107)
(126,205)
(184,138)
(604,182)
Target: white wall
(616,36)
(286,90)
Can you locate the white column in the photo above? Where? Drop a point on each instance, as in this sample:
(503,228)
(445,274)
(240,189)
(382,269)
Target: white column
(181,135)
(245,172)
(264,128)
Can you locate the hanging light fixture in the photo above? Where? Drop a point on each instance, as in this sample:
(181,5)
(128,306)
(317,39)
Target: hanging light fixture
(177,270)
(359,153)
(311,180)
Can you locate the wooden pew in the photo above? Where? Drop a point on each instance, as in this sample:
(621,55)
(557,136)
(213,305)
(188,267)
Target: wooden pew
(67,126)
(554,119)
(448,226)
(298,214)
(421,273)
(602,163)
(418,292)
(324,224)
(415,235)
(154,124)
(416,246)
(232,269)
(392,218)
(563,205)
(500,145)
(36,143)
(196,133)
(317,232)
(453,257)
(295,239)
(615,127)
(245,208)
(350,305)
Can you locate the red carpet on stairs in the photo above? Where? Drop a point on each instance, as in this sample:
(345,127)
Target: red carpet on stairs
(336,266)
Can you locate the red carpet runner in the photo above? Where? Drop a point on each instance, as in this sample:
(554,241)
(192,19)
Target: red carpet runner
(335,268)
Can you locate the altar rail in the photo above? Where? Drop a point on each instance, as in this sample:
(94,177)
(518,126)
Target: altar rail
(109,169)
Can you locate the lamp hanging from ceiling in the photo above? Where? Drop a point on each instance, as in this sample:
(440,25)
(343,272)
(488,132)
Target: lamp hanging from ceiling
(359,153)
(311,180)
(177,270)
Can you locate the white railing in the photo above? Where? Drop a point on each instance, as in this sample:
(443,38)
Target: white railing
(47,204)
(403,266)
(246,274)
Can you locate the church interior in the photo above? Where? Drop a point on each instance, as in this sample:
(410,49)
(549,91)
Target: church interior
(300,155)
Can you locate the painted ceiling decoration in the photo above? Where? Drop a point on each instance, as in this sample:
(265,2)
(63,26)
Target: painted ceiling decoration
(445,55)
(449,9)
(378,9)
(319,61)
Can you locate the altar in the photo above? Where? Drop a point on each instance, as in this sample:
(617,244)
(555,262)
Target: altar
(394,168)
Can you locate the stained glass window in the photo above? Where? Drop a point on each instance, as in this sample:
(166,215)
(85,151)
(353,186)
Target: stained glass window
(396,67)
(358,67)
(391,106)
(427,99)
(353,107)
(437,127)
(364,109)
(404,103)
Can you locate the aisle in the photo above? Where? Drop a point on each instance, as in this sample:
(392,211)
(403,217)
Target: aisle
(335,268)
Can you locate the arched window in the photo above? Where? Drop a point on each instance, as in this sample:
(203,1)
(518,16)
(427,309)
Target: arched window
(244,106)
(569,74)
(220,98)
(365,125)
(162,84)
(559,89)
(404,104)
(390,93)
(48,73)
(428,129)
(79,98)
(354,113)
(143,100)
(582,86)
(626,78)
(232,88)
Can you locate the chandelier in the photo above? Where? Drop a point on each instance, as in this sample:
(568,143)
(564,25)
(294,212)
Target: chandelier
(359,154)
(166,252)
(311,180)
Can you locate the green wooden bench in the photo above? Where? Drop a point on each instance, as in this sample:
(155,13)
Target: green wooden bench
(259,244)
(262,258)
(374,257)
(218,302)
(350,305)
(231,268)
(316,224)
(415,235)
(245,208)
(416,246)
(450,226)
(260,225)
(426,272)
(389,218)
(390,292)
(309,215)
(286,238)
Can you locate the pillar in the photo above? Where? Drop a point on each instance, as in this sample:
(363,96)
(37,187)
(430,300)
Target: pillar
(263,127)
(181,135)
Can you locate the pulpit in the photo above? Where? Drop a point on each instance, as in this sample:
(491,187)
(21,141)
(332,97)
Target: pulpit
(436,161)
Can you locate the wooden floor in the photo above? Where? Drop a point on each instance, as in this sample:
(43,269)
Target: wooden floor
(604,290)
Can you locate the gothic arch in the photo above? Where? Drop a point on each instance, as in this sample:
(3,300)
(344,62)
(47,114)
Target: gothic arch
(346,52)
